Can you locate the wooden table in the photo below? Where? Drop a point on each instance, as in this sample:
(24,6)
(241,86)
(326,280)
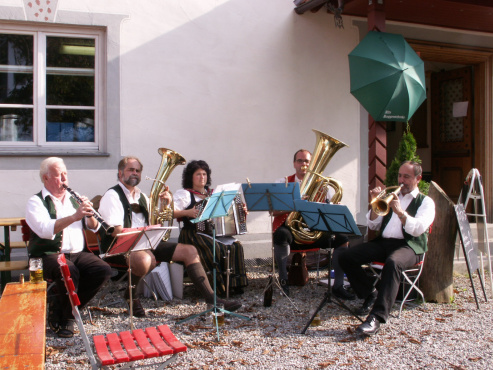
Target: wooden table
(8,224)
(23,327)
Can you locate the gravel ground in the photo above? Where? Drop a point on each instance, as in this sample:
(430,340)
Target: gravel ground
(436,336)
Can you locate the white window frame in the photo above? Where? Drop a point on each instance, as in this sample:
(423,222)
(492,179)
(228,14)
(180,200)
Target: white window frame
(39,144)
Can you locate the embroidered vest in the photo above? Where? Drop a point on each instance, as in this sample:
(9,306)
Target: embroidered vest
(279,220)
(127,216)
(38,247)
(418,243)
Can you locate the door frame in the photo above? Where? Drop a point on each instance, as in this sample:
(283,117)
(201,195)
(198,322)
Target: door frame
(481,59)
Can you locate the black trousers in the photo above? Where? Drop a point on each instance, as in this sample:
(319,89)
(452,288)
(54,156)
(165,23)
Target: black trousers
(88,271)
(396,255)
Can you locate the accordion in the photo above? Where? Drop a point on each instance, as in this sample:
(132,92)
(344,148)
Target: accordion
(232,224)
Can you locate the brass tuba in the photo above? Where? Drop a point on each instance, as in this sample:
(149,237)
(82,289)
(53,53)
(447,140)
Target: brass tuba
(315,186)
(170,159)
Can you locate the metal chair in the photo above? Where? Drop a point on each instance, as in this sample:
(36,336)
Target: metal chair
(409,282)
(137,344)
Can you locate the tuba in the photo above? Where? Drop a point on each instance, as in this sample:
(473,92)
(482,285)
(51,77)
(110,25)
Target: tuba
(315,186)
(170,159)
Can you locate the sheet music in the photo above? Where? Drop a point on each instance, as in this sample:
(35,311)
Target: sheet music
(232,186)
(140,238)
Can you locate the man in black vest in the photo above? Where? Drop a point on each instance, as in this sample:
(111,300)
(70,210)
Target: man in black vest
(125,206)
(57,222)
(400,245)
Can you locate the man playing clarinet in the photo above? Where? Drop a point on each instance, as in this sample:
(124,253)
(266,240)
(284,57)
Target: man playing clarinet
(57,223)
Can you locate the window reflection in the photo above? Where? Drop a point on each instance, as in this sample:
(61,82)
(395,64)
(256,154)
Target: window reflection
(67,125)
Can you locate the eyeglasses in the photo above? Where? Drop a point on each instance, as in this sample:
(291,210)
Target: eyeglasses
(302,161)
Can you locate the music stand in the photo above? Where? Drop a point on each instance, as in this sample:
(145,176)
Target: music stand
(272,197)
(333,218)
(218,205)
(134,240)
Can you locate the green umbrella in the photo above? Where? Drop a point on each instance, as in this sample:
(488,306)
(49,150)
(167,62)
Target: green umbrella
(387,77)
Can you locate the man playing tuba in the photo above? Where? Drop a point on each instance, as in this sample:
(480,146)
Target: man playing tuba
(283,236)
(124,206)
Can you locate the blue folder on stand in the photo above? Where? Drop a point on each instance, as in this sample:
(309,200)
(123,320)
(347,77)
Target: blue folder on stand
(271,196)
(327,217)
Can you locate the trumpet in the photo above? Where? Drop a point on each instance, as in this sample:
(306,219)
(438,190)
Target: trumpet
(107,228)
(380,204)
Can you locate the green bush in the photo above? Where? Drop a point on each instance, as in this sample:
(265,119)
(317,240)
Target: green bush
(405,152)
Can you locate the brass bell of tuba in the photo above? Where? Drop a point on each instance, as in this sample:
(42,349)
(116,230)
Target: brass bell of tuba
(170,159)
(315,186)
(380,204)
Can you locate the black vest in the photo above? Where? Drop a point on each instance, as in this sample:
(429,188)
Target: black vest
(418,243)
(186,220)
(127,216)
(39,247)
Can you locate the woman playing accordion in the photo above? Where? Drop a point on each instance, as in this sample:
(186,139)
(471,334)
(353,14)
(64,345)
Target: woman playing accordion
(196,181)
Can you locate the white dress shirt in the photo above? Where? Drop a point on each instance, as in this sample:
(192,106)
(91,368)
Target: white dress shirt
(182,199)
(111,207)
(414,226)
(40,222)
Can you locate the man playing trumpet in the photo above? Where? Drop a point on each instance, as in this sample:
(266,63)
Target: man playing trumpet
(402,241)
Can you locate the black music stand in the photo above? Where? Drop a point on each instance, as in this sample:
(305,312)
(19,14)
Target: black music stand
(218,205)
(134,240)
(272,197)
(333,218)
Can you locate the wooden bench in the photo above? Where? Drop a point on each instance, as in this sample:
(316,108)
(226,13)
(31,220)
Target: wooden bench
(23,328)
(17,245)
(14,265)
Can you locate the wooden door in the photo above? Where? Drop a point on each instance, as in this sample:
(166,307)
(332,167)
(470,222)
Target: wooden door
(452,131)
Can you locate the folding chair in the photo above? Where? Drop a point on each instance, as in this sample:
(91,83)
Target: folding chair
(409,279)
(138,344)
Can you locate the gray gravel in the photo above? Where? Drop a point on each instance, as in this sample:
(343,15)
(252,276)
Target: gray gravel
(437,336)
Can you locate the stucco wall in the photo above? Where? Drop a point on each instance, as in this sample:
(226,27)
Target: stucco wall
(237,83)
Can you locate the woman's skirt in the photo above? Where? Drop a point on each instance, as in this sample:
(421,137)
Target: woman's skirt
(203,243)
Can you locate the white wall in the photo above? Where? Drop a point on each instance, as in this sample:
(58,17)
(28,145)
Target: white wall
(237,83)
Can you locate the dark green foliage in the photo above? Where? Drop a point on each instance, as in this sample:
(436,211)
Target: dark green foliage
(405,152)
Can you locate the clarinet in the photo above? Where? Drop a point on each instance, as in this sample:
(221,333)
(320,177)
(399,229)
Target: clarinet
(107,228)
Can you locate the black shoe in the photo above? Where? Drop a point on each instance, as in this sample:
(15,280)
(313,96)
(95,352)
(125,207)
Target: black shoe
(230,306)
(285,287)
(137,308)
(367,304)
(342,293)
(54,315)
(66,329)
(371,326)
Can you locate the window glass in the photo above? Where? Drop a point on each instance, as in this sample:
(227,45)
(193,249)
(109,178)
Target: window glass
(69,125)
(70,71)
(48,88)
(16,124)
(16,69)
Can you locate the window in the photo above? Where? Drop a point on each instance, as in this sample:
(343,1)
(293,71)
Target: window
(50,83)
